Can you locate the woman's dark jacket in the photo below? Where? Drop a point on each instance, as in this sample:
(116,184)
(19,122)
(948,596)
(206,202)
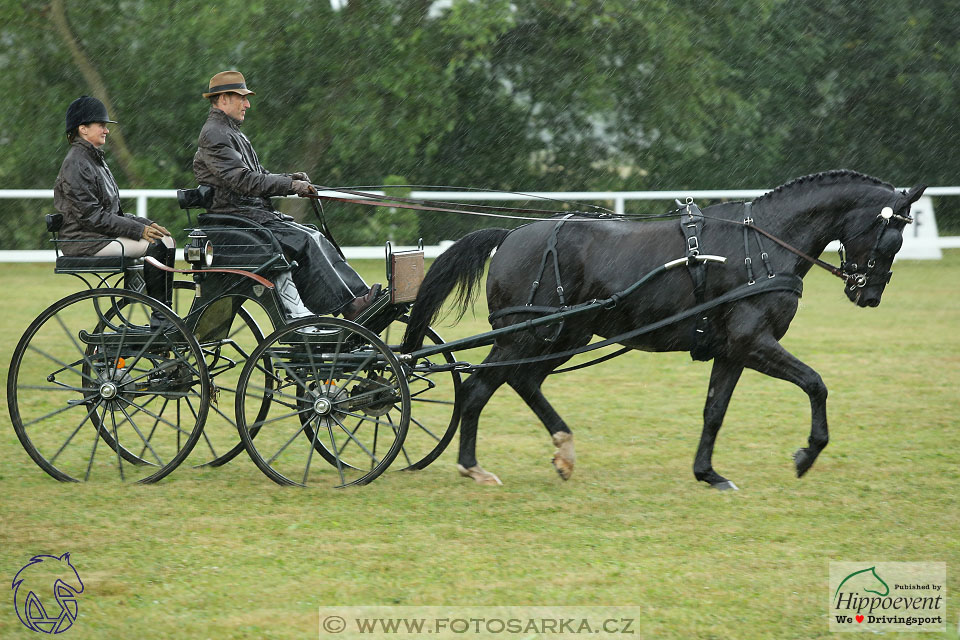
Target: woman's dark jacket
(87,196)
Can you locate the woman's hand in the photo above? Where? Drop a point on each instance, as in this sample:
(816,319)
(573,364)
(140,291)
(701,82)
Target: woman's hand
(153,232)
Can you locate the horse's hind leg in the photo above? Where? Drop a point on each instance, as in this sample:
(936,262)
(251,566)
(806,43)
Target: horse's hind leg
(475,393)
(527,383)
(770,358)
(723,379)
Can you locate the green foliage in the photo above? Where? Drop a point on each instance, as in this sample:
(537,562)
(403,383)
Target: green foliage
(523,95)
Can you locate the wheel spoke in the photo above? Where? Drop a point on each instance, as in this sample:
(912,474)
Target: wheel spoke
(153,429)
(75,432)
(153,415)
(139,433)
(116,442)
(349,433)
(63,365)
(424,428)
(287,444)
(58,411)
(96,439)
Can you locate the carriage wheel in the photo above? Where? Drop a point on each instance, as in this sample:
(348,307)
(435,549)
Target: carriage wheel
(220,442)
(336,389)
(435,406)
(91,369)
(435,410)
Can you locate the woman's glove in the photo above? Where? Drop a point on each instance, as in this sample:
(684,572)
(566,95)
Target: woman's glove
(300,175)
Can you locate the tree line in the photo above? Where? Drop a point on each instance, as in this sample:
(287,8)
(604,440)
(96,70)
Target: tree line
(517,95)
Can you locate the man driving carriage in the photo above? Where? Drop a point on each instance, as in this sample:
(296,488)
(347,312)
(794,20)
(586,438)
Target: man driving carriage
(225,160)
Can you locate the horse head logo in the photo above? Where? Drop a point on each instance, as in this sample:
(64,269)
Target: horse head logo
(866,580)
(43,581)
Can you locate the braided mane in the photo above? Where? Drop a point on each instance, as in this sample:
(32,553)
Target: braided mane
(835,175)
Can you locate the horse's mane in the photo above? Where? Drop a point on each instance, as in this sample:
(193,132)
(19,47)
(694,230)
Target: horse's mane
(835,175)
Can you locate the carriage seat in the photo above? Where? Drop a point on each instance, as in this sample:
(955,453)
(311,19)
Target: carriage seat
(85,264)
(241,243)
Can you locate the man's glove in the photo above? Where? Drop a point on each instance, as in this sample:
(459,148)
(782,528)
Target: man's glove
(300,175)
(302,188)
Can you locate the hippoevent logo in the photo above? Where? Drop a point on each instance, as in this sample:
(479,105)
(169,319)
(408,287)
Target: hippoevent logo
(888,596)
(45,593)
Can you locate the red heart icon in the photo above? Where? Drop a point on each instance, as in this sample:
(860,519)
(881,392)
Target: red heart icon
(859,618)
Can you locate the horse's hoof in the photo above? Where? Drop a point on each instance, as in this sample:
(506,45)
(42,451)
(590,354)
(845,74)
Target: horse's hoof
(479,475)
(564,470)
(726,485)
(565,456)
(803,459)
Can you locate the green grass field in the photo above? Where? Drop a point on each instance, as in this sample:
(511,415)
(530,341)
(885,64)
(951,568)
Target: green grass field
(225,553)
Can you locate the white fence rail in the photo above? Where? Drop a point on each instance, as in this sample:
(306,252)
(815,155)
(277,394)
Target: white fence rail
(921,242)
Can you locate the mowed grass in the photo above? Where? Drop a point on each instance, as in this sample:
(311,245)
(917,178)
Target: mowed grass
(225,553)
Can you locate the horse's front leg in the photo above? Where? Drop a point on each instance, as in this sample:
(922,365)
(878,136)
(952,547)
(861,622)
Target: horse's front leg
(723,380)
(770,358)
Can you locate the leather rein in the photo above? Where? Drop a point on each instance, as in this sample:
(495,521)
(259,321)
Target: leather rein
(846,271)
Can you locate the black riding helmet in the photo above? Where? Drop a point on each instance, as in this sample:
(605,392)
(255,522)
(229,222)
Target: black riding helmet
(84,110)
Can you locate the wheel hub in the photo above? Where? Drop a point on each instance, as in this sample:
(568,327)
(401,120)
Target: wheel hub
(108,391)
(322,406)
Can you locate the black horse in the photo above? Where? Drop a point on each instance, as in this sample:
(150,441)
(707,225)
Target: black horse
(597,258)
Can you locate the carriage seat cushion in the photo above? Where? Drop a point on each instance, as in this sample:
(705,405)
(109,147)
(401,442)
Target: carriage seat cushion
(95,264)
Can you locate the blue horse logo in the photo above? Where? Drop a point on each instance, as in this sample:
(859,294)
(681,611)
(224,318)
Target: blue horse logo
(33,586)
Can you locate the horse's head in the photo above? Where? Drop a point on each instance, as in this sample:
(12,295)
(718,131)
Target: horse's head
(869,249)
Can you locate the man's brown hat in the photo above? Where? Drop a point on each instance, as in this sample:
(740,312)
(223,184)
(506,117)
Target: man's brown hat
(228,82)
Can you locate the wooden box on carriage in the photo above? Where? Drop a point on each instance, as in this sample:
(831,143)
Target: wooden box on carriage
(406,272)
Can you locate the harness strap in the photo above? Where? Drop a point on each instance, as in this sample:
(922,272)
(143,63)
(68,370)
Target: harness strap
(786,282)
(764,256)
(550,251)
(692,227)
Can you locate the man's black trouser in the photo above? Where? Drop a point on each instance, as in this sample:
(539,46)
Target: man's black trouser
(324,279)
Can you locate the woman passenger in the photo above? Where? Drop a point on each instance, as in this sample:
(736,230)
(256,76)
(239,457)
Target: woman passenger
(89,199)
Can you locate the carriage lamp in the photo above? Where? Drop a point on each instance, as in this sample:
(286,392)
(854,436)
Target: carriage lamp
(198,251)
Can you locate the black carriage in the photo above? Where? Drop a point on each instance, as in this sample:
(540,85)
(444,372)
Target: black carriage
(95,390)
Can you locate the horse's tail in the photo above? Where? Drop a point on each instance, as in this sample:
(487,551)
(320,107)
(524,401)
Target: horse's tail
(462,264)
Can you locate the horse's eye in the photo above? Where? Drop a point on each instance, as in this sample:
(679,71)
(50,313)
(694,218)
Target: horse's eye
(890,243)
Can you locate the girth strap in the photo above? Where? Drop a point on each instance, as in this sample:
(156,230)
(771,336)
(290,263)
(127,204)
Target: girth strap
(691,223)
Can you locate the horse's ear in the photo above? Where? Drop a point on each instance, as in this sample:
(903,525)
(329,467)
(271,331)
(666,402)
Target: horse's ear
(914,194)
(65,557)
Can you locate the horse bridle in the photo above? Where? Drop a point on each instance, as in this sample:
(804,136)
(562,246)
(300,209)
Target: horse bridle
(847,271)
(856,279)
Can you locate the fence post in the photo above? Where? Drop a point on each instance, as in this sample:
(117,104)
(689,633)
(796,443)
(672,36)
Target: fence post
(142,205)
